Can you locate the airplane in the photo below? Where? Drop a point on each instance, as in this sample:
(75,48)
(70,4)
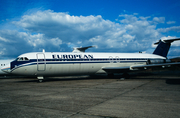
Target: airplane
(4,63)
(42,64)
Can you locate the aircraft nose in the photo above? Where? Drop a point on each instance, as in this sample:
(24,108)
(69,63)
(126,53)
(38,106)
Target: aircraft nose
(6,69)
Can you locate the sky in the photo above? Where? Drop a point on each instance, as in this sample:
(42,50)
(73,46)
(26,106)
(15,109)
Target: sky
(122,26)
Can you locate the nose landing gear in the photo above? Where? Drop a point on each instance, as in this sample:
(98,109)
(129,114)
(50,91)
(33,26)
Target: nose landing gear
(40,78)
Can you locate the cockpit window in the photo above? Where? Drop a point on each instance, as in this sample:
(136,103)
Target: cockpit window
(16,59)
(26,59)
(22,59)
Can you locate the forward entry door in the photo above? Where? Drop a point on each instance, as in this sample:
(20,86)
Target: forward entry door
(41,62)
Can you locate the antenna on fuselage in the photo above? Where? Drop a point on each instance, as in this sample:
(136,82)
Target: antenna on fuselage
(43,50)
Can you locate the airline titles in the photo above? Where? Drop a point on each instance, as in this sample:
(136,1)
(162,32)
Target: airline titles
(72,56)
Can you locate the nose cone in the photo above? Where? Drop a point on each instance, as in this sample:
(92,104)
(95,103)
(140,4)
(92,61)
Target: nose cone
(6,69)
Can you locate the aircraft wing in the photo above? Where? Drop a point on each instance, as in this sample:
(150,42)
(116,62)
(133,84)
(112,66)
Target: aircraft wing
(154,66)
(140,67)
(116,69)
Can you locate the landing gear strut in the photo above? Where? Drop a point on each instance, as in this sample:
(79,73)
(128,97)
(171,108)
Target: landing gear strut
(110,75)
(125,75)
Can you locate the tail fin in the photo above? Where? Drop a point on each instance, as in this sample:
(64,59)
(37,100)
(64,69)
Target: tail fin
(163,47)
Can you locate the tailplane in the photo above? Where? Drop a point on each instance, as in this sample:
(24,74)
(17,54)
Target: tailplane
(81,49)
(163,47)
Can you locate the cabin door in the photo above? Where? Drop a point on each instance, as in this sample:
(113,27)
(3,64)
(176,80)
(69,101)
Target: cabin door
(41,62)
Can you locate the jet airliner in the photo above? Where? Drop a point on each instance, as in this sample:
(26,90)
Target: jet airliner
(4,63)
(42,64)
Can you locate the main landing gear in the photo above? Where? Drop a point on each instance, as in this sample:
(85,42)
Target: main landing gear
(110,75)
(40,78)
(125,75)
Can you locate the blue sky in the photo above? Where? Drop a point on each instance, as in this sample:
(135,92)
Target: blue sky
(111,25)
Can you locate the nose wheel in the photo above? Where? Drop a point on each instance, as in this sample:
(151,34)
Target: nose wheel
(40,78)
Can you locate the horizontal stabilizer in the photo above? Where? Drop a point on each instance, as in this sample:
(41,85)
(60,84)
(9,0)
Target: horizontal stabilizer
(167,41)
(81,49)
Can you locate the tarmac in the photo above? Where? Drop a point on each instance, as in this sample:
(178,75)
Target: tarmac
(140,96)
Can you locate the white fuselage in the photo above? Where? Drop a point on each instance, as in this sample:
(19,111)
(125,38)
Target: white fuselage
(59,64)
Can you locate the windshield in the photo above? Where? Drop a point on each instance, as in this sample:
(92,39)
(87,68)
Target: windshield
(22,59)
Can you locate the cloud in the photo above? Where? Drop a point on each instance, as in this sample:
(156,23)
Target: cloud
(64,26)
(3,39)
(159,19)
(171,22)
(173,28)
(93,30)
(56,41)
(15,43)
(59,31)
(143,29)
(174,52)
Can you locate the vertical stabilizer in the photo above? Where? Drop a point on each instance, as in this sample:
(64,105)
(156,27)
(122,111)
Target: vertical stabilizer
(163,47)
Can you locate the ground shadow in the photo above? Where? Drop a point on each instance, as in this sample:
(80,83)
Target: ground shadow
(65,78)
(173,81)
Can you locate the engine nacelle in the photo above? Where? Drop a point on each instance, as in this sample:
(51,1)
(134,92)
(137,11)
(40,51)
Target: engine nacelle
(158,61)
